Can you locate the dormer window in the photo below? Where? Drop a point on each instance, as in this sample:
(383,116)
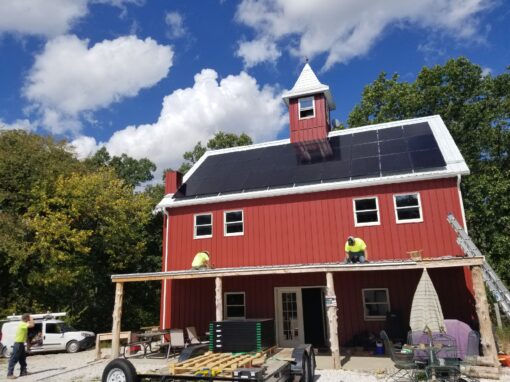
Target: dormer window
(306,107)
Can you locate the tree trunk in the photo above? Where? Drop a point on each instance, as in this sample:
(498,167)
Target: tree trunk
(219,299)
(117,315)
(332,320)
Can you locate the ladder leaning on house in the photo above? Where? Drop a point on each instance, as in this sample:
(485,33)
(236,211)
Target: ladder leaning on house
(496,287)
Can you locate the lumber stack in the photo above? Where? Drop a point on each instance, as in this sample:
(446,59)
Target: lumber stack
(241,336)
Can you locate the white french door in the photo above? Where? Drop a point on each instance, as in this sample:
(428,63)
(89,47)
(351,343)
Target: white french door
(289,317)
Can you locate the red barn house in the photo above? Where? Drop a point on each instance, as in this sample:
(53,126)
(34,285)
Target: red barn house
(275,217)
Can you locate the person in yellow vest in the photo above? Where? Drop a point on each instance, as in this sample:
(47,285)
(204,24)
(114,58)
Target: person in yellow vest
(355,250)
(201,261)
(18,350)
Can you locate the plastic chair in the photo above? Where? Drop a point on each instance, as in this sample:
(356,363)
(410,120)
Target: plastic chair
(177,342)
(404,363)
(192,336)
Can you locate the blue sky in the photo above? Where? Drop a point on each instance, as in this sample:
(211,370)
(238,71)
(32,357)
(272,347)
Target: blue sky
(151,78)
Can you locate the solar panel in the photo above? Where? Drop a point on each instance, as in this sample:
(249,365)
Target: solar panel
(364,151)
(427,159)
(390,133)
(395,163)
(392,147)
(373,153)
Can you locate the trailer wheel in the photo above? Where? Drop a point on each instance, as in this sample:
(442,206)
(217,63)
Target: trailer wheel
(120,370)
(313,364)
(305,373)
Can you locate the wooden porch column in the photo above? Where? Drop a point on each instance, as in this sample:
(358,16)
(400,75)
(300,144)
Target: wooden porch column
(219,299)
(482,311)
(332,320)
(117,315)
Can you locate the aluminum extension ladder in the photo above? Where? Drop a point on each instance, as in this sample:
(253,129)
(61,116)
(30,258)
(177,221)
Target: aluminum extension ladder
(496,287)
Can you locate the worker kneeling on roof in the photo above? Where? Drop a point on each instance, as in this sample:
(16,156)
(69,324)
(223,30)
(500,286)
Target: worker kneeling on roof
(355,250)
(201,261)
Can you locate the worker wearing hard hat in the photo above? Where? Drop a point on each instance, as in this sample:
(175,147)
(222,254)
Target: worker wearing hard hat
(201,261)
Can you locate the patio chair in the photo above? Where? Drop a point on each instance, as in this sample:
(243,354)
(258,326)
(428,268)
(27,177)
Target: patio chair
(192,336)
(177,342)
(404,363)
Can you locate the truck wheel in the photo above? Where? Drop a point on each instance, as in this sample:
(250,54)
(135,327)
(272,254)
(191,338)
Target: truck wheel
(73,347)
(120,370)
(6,352)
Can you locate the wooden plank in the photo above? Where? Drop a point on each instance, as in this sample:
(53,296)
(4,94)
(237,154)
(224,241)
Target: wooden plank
(300,268)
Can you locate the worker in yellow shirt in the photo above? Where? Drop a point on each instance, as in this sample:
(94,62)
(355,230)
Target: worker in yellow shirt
(201,261)
(18,350)
(355,250)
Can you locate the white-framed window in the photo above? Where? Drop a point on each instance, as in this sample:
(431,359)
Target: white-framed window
(366,211)
(234,223)
(203,226)
(408,208)
(376,303)
(235,305)
(306,107)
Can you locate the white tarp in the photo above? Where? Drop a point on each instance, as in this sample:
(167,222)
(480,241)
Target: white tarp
(426,312)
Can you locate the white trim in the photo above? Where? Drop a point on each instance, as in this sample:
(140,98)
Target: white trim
(375,318)
(165,282)
(420,210)
(225,233)
(225,315)
(313,108)
(462,211)
(195,236)
(356,224)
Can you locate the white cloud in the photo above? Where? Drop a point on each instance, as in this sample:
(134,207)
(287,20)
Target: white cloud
(347,29)
(69,77)
(234,104)
(176,25)
(48,18)
(486,71)
(256,51)
(19,124)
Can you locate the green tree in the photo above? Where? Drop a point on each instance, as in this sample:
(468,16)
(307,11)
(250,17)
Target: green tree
(476,109)
(220,140)
(133,171)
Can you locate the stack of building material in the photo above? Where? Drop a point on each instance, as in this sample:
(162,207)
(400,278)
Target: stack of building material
(235,336)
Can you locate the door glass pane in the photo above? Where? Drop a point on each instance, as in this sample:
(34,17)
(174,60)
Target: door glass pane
(289,313)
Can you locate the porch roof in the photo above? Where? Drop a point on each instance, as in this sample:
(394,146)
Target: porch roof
(441,262)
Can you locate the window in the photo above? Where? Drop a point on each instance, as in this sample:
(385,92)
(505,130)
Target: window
(53,329)
(234,305)
(366,212)
(306,107)
(408,208)
(376,303)
(203,226)
(233,223)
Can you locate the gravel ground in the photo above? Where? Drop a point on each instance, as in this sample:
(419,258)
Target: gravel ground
(81,367)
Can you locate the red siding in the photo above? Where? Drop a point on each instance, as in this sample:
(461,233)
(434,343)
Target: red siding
(312,228)
(310,128)
(193,300)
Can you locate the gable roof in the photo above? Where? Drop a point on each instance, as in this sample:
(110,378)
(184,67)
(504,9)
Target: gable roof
(402,151)
(308,84)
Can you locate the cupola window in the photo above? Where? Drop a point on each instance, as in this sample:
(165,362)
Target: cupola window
(306,107)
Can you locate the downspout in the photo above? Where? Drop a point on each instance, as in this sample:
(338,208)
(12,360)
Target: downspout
(461,204)
(165,269)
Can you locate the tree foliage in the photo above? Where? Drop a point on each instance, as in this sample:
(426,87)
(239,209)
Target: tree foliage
(220,140)
(476,109)
(76,224)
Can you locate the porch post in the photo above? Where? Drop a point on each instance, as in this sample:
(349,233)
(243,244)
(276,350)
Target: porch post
(219,299)
(482,311)
(117,315)
(332,320)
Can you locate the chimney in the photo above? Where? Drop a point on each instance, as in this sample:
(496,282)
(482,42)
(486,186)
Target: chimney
(173,180)
(309,103)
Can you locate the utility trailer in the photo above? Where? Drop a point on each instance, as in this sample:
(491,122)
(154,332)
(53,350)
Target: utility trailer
(197,364)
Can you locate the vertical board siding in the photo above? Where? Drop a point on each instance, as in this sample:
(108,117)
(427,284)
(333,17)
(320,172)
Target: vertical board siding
(308,129)
(312,228)
(193,300)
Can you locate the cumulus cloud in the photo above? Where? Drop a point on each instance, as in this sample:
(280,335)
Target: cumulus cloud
(19,124)
(347,29)
(257,51)
(69,78)
(175,22)
(234,104)
(47,18)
